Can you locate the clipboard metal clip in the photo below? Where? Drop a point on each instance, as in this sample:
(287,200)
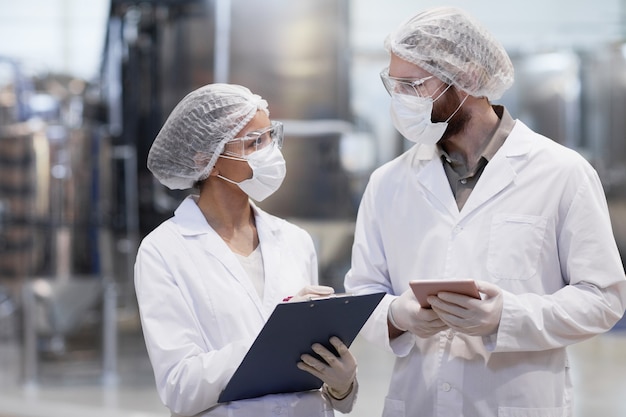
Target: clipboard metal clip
(333,295)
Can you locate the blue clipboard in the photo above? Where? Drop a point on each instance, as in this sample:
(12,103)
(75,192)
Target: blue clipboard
(269,367)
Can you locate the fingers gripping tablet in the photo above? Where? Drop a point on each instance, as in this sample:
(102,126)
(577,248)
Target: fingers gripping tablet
(422,289)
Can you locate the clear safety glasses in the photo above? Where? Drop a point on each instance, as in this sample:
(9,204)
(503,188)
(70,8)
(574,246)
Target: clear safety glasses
(255,141)
(408,86)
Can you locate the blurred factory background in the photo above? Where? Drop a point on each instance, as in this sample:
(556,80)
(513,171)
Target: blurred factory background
(86,85)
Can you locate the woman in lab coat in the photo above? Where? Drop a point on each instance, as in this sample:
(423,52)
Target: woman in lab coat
(208,278)
(486,198)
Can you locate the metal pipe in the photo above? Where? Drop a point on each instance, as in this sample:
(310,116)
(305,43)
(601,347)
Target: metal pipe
(109,333)
(30,336)
(221,60)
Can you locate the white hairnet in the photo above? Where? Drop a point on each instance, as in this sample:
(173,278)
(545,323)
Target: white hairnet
(455,48)
(194,134)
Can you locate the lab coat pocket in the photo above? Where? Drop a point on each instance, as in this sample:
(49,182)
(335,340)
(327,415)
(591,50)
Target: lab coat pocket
(394,408)
(534,412)
(515,243)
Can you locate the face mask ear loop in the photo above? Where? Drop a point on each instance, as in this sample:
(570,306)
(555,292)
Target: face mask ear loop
(442,93)
(227,179)
(457,109)
(234,158)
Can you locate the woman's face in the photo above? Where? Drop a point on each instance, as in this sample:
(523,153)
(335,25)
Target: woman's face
(239,170)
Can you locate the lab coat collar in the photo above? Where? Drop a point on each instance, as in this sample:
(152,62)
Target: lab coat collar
(270,242)
(423,152)
(190,219)
(433,178)
(519,145)
(191,222)
(501,171)
(519,142)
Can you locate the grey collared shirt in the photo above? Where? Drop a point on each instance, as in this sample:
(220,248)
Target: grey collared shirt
(462,178)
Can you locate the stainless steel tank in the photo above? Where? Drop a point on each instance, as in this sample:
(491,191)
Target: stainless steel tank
(546,94)
(54,190)
(20,199)
(51,192)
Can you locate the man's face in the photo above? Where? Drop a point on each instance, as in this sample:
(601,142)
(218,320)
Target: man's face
(445,104)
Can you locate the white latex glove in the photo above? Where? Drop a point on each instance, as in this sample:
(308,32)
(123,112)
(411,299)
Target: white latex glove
(312,291)
(338,373)
(406,314)
(469,315)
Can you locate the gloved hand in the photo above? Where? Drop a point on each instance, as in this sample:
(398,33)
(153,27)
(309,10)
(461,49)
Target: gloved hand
(312,291)
(469,315)
(406,314)
(338,373)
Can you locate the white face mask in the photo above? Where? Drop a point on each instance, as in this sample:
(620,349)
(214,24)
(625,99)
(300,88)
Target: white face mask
(268,172)
(411,116)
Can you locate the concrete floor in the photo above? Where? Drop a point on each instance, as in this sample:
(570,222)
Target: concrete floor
(72,386)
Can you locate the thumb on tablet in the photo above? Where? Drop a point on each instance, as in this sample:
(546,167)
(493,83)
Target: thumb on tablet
(489,289)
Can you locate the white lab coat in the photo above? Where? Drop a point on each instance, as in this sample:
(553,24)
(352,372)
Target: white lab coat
(200,312)
(537,225)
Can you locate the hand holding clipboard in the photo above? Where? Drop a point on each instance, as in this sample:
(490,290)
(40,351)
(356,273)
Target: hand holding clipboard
(270,366)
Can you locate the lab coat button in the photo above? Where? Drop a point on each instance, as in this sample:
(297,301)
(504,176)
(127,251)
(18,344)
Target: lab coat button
(463,181)
(446,387)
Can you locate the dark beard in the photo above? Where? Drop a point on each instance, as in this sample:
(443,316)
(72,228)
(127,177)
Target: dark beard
(444,107)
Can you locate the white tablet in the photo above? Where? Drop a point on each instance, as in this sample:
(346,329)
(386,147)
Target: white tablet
(422,289)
